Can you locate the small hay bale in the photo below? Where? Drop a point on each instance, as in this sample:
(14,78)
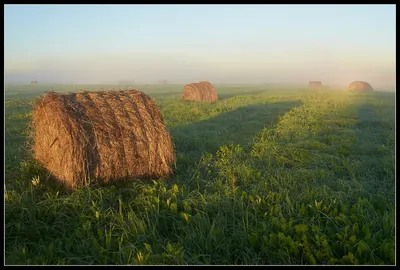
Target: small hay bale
(315,84)
(202,91)
(360,86)
(90,137)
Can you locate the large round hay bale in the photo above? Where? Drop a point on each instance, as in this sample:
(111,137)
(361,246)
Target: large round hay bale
(202,91)
(360,86)
(101,136)
(315,84)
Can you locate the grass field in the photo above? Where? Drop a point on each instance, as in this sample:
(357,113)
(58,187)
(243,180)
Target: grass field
(263,176)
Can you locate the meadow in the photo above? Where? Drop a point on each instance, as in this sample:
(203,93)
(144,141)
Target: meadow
(266,175)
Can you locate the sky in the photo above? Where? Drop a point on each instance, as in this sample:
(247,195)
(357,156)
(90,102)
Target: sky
(290,44)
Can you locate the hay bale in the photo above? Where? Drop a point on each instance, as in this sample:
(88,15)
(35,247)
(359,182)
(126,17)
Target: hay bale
(202,91)
(315,84)
(360,86)
(100,136)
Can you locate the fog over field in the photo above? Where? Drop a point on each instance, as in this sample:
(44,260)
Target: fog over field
(290,44)
(255,135)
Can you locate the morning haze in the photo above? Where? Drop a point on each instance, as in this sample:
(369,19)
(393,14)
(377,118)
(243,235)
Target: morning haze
(291,44)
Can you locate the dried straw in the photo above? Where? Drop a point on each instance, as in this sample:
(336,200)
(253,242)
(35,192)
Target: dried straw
(315,84)
(360,86)
(101,136)
(202,91)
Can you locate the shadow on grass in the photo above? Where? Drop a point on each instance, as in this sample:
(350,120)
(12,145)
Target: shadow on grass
(385,94)
(374,143)
(222,96)
(372,133)
(370,123)
(234,127)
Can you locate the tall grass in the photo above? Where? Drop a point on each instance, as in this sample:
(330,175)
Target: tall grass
(263,177)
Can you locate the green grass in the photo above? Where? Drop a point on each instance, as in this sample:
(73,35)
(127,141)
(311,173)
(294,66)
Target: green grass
(263,176)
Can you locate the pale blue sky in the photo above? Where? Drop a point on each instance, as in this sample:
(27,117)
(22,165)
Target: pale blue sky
(181,43)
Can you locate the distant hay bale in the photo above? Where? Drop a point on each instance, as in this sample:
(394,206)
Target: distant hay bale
(101,136)
(315,84)
(202,91)
(360,86)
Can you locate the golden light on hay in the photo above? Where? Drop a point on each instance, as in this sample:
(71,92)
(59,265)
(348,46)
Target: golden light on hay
(360,86)
(101,136)
(202,91)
